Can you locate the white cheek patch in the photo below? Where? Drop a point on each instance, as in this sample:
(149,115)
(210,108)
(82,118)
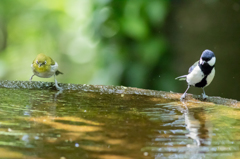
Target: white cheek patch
(212,61)
(201,61)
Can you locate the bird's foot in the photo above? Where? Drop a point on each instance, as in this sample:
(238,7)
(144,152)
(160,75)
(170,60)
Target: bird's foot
(183,96)
(59,88)
(204,96)
(56,84)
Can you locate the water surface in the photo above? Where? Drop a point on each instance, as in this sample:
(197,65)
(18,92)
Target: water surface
(37,124)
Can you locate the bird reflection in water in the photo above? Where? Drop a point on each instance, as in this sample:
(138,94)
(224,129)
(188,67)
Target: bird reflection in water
(200,129)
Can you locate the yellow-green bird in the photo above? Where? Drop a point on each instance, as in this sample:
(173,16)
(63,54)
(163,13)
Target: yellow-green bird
(45,67)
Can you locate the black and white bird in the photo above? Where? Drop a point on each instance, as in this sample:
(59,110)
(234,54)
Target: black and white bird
(201,73)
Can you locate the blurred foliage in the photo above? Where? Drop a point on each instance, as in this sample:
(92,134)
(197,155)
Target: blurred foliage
(56,28)
(93,41)
(133,49)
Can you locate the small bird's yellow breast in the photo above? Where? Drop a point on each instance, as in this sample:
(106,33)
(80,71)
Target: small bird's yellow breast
(42,68)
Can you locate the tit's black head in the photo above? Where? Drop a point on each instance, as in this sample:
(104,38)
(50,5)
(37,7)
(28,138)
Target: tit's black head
(207,55)
(208,58)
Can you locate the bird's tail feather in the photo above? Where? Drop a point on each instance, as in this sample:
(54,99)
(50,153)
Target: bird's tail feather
(181,78)
(58,72)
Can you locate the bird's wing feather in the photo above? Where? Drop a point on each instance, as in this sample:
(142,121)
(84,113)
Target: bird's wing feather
(189,71)
(180,78)
(192,67)
(52,62)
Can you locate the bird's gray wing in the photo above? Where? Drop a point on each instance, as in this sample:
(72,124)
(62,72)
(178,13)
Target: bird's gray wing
(192,67)
(189,71)
(180,78)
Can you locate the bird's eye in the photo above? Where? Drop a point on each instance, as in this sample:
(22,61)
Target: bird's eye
(206,59)
(45,62)
(37,62)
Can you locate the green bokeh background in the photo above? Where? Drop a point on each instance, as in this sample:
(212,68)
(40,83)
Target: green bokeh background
(136,43)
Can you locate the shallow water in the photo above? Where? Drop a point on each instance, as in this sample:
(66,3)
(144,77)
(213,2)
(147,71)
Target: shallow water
(36,124)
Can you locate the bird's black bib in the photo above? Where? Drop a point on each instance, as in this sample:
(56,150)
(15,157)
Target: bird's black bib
(206,69)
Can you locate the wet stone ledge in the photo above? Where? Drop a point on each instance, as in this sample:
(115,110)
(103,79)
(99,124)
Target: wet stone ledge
(96,121)
(108,89)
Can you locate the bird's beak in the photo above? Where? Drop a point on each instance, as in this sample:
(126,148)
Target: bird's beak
(39,65)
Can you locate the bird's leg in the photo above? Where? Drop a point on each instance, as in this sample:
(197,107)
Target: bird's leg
(31,78)
(184,94)
(204,94)
(56,83)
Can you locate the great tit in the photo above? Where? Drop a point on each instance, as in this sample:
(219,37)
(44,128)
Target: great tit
(201,73)
(45,67)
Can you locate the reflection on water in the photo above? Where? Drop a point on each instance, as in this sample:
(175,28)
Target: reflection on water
(75,124)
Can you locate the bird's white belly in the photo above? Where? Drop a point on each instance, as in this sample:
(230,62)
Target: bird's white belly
(195,76)
(44,74)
